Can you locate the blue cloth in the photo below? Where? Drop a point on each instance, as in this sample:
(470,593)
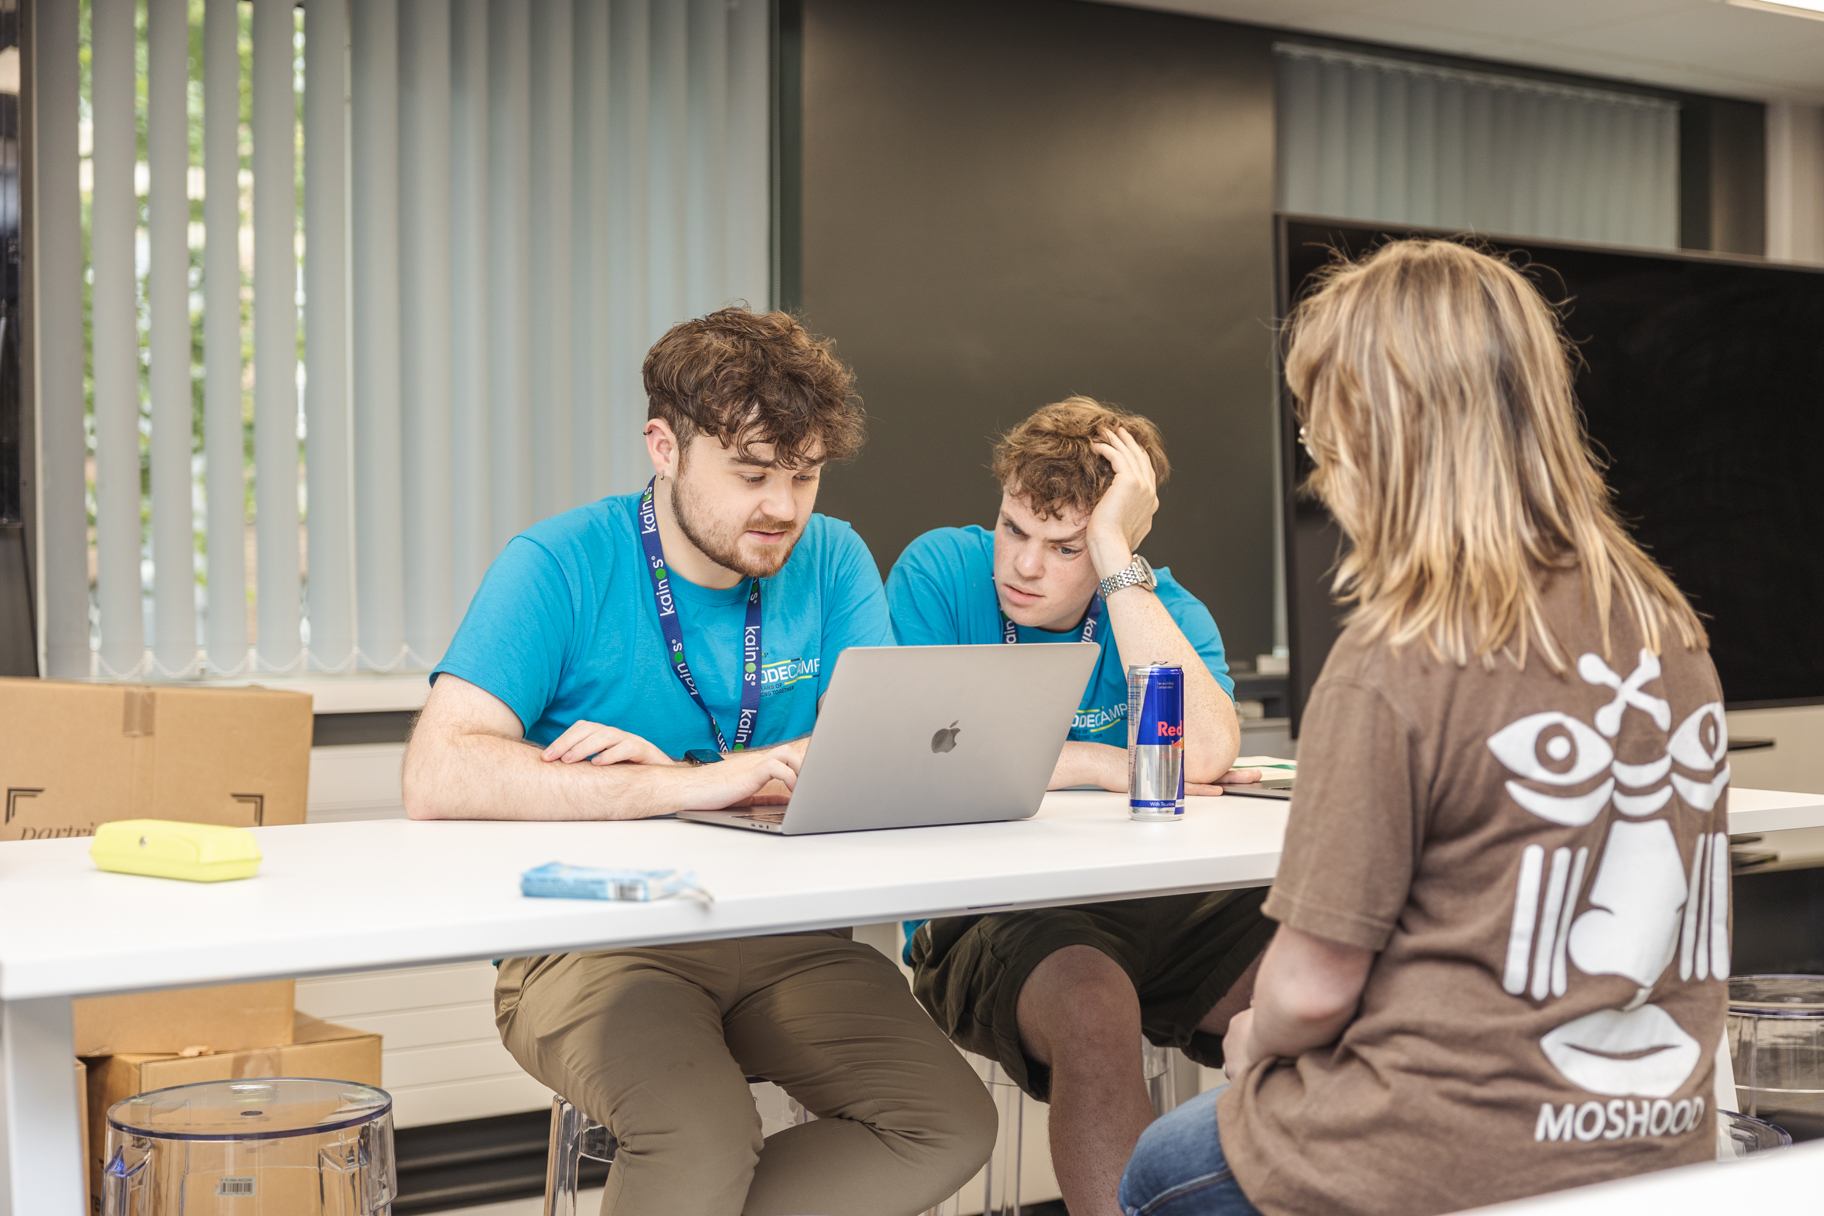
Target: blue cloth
(941,593)
(564,628)
(1178,1168)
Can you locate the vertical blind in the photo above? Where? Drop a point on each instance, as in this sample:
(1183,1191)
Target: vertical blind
(444,231)
(1396,141)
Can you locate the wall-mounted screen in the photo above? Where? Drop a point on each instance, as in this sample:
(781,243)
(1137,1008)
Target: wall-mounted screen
(1703,385)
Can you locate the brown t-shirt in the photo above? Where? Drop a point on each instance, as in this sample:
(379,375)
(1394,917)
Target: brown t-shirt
(1542,862)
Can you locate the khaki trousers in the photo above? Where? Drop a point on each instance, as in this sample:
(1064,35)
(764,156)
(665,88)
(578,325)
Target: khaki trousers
(657,1044)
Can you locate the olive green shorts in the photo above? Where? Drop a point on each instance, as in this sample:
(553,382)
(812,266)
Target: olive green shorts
(1182,952)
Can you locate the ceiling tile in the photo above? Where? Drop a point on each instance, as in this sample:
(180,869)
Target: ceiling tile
(1503,18)
(1701,35)
(1697,45)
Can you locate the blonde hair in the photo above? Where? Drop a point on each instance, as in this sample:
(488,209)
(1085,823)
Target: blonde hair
(1047,460)
(1434,385)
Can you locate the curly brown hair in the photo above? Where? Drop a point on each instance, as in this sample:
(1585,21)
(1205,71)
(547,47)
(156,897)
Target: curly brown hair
(747,378)
(1047,461)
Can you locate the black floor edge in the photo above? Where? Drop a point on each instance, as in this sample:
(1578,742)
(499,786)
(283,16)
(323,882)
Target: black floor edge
(449,1166)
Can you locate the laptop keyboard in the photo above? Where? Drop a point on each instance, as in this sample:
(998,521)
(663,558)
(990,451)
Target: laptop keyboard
(777,816)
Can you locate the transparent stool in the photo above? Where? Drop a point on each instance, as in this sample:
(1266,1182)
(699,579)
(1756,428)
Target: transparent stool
(1000,1178)
(575,1137)
(1776,1046)
(279,1146)
(1740,1136)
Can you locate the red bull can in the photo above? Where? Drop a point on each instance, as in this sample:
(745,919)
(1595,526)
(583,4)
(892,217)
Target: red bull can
(1155,743)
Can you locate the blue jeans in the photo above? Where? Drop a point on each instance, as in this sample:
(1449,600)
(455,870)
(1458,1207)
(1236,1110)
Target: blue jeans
(1178,1168)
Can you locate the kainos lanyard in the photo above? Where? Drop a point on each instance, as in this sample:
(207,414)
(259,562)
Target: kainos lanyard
(674,633)
(1010,633)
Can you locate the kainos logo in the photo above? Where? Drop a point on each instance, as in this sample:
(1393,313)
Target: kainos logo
(1099,718)
(1647,904)
(776,677)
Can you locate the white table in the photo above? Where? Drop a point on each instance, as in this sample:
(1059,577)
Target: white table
(360,896)
(1780,1182)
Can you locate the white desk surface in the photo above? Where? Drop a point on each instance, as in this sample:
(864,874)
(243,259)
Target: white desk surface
(354,896)
(1782,1181)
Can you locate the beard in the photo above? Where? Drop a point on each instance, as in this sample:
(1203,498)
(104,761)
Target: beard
(720,540)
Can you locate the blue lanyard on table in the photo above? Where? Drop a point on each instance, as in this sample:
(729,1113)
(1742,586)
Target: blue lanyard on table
(1010,633)
(674,633)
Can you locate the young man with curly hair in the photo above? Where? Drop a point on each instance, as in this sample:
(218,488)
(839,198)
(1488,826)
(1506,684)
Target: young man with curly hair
(1060,997)
(611,638)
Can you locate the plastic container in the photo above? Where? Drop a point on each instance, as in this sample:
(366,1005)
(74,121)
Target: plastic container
(1776,1045)
(280,1146)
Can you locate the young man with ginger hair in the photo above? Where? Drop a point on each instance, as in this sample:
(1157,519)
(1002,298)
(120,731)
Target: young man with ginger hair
(611,638)
(1060,996)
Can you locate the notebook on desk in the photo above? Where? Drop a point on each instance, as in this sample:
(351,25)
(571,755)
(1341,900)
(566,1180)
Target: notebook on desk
(1276,777)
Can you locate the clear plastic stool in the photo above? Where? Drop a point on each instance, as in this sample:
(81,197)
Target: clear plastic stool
(1742,1136)
(1000,1178)
(279,1146)
(575,1137)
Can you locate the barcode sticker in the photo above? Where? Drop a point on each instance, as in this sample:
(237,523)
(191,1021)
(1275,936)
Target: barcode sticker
(231,1187)
(628,890)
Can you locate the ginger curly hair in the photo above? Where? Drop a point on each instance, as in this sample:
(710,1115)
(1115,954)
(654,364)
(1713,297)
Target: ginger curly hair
(1047,461)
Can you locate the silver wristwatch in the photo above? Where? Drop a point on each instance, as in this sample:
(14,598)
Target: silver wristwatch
(1136,573)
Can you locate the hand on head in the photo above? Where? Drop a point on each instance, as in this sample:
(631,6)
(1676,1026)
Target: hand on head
(1125,515)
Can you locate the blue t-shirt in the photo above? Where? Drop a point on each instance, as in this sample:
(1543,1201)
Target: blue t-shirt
(941,592)
(564,628)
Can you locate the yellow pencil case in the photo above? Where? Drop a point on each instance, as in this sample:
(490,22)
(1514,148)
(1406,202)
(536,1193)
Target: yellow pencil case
(163,848)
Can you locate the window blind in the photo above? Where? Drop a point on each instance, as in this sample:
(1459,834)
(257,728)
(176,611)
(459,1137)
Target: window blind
(1368,138)
(418,270)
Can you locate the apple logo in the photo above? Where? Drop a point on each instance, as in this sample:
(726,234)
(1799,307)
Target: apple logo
(945,739)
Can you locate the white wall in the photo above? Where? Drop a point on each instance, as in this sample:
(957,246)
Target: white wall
(1795,762)
(1795,182)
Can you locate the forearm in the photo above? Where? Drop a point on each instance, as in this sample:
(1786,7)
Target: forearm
(1097,764)
(483,776)
(1283,1031)
(1307,992)
(1145,633)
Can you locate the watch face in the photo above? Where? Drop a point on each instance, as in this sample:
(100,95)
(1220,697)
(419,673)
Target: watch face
(1147,579)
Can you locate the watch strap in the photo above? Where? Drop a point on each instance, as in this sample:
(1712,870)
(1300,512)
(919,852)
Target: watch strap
(1135,573)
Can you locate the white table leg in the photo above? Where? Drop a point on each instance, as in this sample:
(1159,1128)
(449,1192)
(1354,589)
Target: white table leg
(40,1133)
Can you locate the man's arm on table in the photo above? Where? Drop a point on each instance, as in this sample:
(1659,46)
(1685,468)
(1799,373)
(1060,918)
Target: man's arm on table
(1145,631)
(469,759)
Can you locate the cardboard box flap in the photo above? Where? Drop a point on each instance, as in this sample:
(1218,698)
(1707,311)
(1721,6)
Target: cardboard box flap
(228,1017)
(79,754)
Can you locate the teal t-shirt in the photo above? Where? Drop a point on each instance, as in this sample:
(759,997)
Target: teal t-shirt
(564,628)
(941,593)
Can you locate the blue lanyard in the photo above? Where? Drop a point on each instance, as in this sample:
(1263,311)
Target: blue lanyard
(1010,633)
(674,634)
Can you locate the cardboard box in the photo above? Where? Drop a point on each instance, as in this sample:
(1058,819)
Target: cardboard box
(317,1049)
(230,1017)
(81,754)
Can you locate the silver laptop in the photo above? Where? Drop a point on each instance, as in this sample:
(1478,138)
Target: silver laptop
(913,736)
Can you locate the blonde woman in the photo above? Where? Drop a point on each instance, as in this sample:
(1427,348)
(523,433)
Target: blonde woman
(1503,904)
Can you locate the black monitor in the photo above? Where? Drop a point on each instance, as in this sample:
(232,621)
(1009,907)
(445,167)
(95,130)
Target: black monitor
(1703,386)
